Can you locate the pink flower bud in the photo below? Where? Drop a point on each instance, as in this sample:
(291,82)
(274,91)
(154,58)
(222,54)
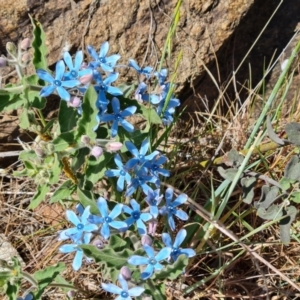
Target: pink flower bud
(26,58)
(25,44)
(85,139)
(152,225)
(146,240)
(39,152)
(98,243)
(71,294)
(74,102)
(86,78)
(113,146)
(126,273)
(3,62)
(96,151)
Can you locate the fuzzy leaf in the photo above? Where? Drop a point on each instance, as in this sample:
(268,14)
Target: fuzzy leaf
(87,122)
(172,271)
(295,197)
(65,141)
(292,169)
(271,213)
(272,135)
(228,174)
(67,117)
(11,102)
(248,185)
(39,46)
(268,196)
(286,183)
(39,196)
(55,170)
(33,97)
(46,276)
(285,223)
(63,192)
(234,158)
(87,198)
(293,132)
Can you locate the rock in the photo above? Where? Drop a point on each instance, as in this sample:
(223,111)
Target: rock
(134,29)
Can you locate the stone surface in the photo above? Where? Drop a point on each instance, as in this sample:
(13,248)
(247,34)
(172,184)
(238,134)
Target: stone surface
(134,28)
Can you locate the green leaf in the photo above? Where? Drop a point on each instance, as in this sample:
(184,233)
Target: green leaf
(88,121)
(295,197)
(248,185)
(55,170)
(63,192)
(46,276)
(39,196)
(11,102)
(39,46)
(235,159)
(87,198)
(12,290)
(293,132)
(65,141)
(285,223)
(172,271)
(286,183)
(268,196)
(24,119)
(228,174)
(80,158)
(67,117)
(96,168)
(273,212)
(292,169)
(127,89)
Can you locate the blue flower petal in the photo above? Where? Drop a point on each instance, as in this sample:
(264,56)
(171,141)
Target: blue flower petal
(146,217)
(77,262)
(128,111)
(105,232)
(171,222)
(114,129)
(180,200)
(181,215)
(136,291)
(85,215)
(132,148)
(68,248)
(120,183)
(116,210)
(92,52)
(111,78)
(167,240)
(169,195)
(149,250)
(142,229)
(123,282)
(188,252)
(115,105)
(179,238)
(112,59)
(78,60)
(102,206)
(95,219)
(114,91)
(71,216)
(104,49)
(147,273)
(132,63)
(137,260)
(112,173)
(118,225)
(59,70)
(127,126)
(70,83)
(68,60)
(42,74)
(111,288)
(163,254)
(63,94)
(47,90)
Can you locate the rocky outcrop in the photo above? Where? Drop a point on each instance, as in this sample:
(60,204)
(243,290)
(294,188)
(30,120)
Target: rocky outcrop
(134,28)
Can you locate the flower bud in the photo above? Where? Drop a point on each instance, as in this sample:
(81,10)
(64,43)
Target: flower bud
(98,243)
(26,58)
(86,78)
(39,152)
(126,273)
(152,225)
(113,146)
(25,44)
(11,49)
(96,151)
(74,102)
(85,139)
(146,240)
(71,294)
(3,62)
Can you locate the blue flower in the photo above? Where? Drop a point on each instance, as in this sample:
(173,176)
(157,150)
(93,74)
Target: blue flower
(161,76)
(171,207)
(56,83)
(82,225)
(140,181)
(154,166)
(106,63)
(153,199)
(27,297)
(143,71)
(176,251)
(152,261)
(140,93)
(107,219)
(123,292)
(136,216)
(118,117)
(122,173)
(140,157)
(77,262)
(74,69)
